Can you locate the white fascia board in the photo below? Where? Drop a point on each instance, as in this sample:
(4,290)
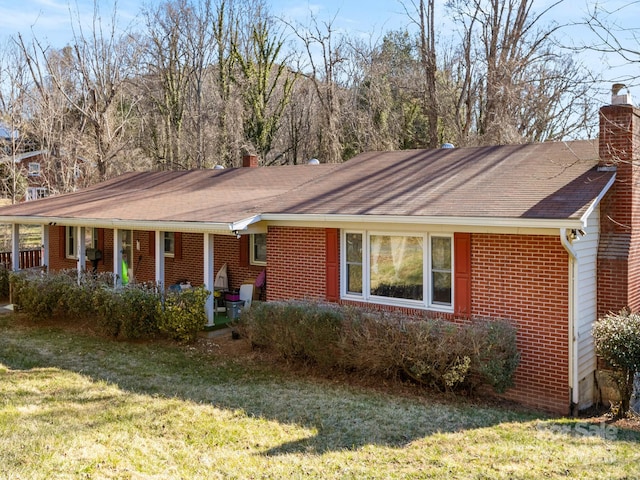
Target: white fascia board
(244,224)
(164,226)
(597,201)
(484,222)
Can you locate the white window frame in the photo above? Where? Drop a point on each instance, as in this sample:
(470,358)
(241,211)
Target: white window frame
(171,237)
(91,240)
(71,242)
(36,193)
(366,296)
(33,169)
(252,250)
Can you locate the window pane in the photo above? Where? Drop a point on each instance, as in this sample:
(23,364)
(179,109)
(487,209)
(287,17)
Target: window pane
(169,242)
(396,266)
(441,287)
(441,253)
(260,247)
(354,247)
(354,262)
(354,278)
(71,241)
(441,270)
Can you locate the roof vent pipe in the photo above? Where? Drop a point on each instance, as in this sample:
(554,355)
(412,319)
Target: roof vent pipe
(617,98)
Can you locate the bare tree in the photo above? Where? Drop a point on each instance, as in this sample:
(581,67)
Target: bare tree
(323,58)
(266,87)
(515,86)
(613,39)
(90,75)
(13,83)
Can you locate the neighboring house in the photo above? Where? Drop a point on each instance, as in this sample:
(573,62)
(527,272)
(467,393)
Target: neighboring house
(545,235)
(31,163)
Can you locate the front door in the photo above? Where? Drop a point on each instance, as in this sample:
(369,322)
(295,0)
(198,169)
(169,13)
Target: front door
(126,240)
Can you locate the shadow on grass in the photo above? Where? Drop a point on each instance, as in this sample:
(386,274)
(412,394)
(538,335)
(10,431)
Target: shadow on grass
(339,417)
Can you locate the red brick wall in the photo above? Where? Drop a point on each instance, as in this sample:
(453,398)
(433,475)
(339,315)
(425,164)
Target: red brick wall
(226,249)
(518,277)
(619,272)
(525,279)
(296,263)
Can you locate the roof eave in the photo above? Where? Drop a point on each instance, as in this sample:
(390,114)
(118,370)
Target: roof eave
(515,222)
(123,224)
(597,201)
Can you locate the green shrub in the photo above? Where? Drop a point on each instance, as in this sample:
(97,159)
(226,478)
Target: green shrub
(43,296)
(127,313)
(431,353)
(182,315)
(494,356)
(4,282)
(109,309)
(617,341)
(440,354)
(300,331)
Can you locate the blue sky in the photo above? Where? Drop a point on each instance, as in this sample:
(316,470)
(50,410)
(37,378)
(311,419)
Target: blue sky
(50,19)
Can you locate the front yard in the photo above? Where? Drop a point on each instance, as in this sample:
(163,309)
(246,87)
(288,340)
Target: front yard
(73,405)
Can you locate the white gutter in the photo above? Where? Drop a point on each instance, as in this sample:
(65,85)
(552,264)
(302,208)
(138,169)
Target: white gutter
(428,220)
(573,308)
(167,226)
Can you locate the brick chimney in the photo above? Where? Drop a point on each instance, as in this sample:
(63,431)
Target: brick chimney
(250,161)
(619,246)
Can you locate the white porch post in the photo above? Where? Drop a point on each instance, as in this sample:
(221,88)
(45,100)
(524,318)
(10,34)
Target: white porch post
(159,248)
(44,260)
(208,277)
(15,247)
(117,260)
(82,249)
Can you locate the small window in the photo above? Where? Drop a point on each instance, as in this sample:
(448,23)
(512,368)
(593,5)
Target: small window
(71,240)
(441,270)
(35,193)
(354,263)
(258,249)
(34,169)
(169,244)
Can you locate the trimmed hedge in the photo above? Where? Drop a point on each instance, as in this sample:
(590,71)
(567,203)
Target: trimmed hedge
(433,352)
(133,312)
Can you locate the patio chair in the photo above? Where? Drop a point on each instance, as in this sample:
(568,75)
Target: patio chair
(246,295)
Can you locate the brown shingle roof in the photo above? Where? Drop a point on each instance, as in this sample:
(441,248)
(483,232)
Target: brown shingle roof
(537,181)
(546,180)
(186,196)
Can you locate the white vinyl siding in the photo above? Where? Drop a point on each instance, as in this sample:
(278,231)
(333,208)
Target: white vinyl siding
(586,249)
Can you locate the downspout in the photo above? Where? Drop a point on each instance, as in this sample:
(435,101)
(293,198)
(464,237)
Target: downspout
(573,308)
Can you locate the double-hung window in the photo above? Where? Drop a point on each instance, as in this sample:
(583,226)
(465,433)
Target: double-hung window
(34,169)
(169,244)
(258,249)
(71,240)
(412,269)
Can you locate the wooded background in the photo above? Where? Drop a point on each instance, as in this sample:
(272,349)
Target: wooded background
(199,83)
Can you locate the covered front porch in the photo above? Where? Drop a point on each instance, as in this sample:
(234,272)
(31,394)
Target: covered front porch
(168,255)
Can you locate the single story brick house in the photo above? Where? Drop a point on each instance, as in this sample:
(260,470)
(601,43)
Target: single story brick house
(542,234)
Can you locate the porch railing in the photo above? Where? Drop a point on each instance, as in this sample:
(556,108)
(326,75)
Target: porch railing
(28,259)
